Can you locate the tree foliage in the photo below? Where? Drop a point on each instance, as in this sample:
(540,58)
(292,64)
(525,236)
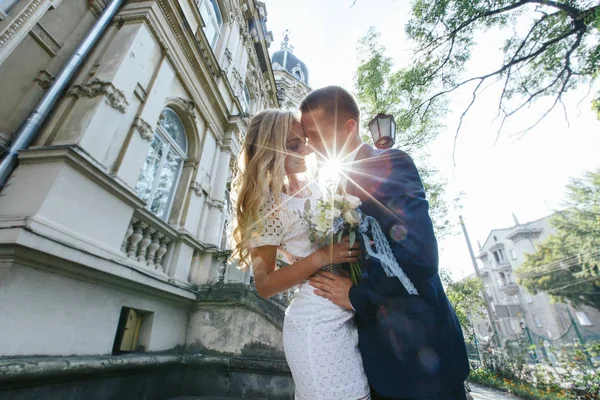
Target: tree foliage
(558,50)
(465,296)
(566,264)
(381,89)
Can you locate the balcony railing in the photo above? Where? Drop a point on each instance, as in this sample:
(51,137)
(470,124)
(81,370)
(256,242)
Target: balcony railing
(147,241)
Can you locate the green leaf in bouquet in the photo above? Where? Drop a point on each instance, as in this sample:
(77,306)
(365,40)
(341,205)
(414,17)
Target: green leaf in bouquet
(352,236)
(340,234)
(307,205)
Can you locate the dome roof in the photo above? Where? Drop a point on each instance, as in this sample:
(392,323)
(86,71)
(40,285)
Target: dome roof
(284,59)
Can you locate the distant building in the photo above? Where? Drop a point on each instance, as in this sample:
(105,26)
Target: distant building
(291,76)
(514,308)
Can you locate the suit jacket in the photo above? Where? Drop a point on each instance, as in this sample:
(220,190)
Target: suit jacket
(412,346)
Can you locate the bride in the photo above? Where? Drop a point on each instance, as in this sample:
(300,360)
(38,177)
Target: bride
(319,338)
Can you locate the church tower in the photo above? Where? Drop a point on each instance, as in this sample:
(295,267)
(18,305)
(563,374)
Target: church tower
(291,76)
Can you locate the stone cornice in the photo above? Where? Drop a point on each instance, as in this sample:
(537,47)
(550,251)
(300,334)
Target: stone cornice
(41,245)
(78,159)
(19,21)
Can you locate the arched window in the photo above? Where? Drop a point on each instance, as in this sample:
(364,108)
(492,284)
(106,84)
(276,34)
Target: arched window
(161,171)
(213,20)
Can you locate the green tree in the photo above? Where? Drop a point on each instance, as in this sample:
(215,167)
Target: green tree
(381,89)
(465,296)
(565,265)
(558,51)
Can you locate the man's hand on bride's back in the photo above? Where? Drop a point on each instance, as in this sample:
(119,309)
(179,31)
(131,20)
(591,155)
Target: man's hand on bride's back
(339,253)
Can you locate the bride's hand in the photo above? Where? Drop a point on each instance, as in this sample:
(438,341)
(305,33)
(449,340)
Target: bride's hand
(339,253)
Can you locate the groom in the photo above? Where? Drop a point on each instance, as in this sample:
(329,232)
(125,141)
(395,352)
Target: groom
(412,346)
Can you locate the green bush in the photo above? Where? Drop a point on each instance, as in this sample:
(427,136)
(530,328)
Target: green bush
(573,377)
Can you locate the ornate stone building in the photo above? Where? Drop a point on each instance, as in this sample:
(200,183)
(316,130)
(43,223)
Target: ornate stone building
(291,76)
(111,226)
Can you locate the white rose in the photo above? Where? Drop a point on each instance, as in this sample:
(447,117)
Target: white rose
(353,201)
(330,215)
(321,223)
(352,217)
(339,198)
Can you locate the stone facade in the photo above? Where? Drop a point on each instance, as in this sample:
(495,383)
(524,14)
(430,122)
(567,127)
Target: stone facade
(502,253)
(116,212)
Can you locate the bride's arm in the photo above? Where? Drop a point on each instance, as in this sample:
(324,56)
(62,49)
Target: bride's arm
(269,281)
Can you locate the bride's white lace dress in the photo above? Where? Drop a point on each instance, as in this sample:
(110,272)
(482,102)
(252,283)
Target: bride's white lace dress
(319,338)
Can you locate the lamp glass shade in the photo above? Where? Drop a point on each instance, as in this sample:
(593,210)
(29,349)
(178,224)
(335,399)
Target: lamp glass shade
(383,130)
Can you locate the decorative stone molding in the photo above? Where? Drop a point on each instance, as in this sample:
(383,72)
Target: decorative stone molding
(19,21)
(45,39)
(140,93)
(197,189)
(143,128)
(228,61)
(213,203)
(44,79)
(97,6)
(189,107)
(237,84)
(113,96)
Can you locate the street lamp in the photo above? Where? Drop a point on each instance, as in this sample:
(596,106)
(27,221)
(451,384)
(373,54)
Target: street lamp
(383,130)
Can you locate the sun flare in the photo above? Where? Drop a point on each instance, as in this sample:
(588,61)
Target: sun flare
(330,170)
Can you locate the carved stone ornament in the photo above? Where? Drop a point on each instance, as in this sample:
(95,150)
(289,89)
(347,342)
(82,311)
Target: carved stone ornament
(143,128)
(228,60)
(213,203)
(113,96)
(190,106)
(44,79)
(197,189)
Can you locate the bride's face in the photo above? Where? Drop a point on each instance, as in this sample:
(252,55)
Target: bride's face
(296,150)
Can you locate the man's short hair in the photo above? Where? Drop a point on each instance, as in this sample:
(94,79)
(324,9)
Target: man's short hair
(333,100)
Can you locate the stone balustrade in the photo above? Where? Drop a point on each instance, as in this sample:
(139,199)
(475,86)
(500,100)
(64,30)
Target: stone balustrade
(146,243)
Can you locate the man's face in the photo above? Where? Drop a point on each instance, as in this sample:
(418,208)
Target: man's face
(321,132)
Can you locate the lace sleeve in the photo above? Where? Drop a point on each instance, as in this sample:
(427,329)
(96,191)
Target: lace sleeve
(270,229)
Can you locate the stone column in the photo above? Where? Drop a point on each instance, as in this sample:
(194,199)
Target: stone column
(216,204)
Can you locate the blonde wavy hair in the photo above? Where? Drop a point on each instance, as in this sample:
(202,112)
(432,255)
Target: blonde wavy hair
(261,173)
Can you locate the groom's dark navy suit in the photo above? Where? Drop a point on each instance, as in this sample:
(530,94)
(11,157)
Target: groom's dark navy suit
(412,346)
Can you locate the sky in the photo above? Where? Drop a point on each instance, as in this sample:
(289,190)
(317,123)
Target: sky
(498,175)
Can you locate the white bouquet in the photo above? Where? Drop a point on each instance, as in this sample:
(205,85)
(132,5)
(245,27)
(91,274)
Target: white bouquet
(336,215)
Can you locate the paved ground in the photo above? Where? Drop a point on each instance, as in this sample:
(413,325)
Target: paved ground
(484,393)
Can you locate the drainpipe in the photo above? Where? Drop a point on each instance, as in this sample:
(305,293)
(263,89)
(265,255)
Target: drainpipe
(29,129)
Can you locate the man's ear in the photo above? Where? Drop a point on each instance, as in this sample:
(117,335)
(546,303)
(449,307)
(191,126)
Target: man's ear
(351,127)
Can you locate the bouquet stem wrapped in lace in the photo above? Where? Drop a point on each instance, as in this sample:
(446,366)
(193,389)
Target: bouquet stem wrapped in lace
(335,216)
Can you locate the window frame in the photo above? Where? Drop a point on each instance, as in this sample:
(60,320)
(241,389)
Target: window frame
(168,144)
(537,321)
(216,20)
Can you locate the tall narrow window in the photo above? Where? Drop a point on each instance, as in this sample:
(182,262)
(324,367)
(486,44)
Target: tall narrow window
(537,321)
(213,20)
(161,171)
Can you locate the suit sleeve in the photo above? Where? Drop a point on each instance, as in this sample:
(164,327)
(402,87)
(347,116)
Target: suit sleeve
(403,213)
